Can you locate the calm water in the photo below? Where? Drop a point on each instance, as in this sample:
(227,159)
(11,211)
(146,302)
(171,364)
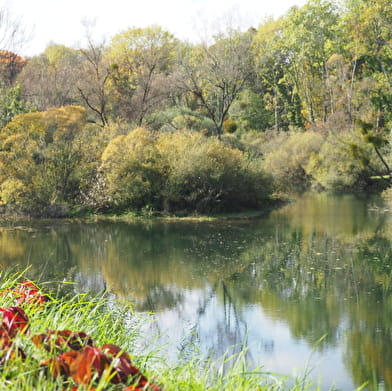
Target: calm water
(317,268)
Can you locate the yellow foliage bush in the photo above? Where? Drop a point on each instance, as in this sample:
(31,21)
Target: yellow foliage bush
(130,167)
(288,162)
(205,174)
(334,168)
(12,192)
(45,157)
(182,171)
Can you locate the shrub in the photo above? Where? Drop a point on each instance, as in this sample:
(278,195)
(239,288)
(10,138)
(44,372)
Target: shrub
(207,175)
(335,167)
(182,171)
(181,118)
(288,162)
(387,195)
(44,157)
(230,126)
(130,166)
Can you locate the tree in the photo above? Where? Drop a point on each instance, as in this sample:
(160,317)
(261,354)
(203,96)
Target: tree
(10,66)
(12,35)
(368,46)
(11,97)
(309,34)
(94,79)
(141,60)
(50,79)
(216,74)
(272,66)
(11,104)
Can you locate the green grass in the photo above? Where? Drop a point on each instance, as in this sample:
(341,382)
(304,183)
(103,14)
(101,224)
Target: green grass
(143,215)
(105,323)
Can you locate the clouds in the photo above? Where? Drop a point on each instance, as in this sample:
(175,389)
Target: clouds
(61,21)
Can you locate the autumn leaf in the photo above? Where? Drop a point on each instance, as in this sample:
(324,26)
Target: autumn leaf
(62,339)
(87,363)
(121,363)
(27,292)
(14,320)
(8,350)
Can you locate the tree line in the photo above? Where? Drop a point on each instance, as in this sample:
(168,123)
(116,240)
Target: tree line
(149,121)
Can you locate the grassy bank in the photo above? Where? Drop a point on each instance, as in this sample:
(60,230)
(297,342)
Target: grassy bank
(150,214)
(104,323)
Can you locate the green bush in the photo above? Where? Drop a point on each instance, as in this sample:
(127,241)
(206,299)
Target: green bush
(207,175)
(335,167)
(182,171)
(180,118)
(288,161)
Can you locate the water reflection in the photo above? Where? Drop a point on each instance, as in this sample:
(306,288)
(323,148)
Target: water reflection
(318,267)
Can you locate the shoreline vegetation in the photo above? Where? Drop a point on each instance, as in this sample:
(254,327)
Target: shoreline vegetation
(133,216)
(151,215)
(148,173)
(51,343)
(147,123)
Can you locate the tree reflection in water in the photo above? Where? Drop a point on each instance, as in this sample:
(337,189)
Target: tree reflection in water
(319,266)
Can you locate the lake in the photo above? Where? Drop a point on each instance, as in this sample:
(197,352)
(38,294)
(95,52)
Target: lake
(307,288)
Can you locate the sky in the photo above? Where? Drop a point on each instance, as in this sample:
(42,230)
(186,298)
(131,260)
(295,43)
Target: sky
(61,22)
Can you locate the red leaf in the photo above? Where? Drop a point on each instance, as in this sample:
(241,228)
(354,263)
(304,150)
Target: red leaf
(27,292)
(88,362)
(121,364)
(76,340)
(14,320)
(7,348)
(28,286)
(57,366)
(62,339)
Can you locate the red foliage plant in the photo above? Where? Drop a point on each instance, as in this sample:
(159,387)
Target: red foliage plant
(14,320)
(77,357)
(92,363)
(7,349)
(27,292)
(62,340)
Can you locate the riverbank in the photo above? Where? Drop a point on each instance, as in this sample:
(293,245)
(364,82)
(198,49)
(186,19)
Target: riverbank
(132,216)
(149,214)
(29,362)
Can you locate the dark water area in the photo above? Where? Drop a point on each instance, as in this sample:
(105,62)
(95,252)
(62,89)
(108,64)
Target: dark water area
(307,288)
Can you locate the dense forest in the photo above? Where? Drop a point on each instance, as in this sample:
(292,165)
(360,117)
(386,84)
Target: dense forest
(149,122)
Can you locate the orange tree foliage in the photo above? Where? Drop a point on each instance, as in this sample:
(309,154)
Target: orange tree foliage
(10,66)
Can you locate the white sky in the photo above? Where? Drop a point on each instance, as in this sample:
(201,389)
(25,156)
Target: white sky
(61,21)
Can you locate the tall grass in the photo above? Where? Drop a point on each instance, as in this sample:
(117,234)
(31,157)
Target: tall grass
(108,323)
